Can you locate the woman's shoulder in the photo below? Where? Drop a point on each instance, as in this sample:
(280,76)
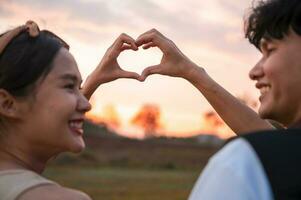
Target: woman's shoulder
(54,192)
(22,184)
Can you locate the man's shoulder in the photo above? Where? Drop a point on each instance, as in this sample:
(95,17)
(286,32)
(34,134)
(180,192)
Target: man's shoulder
(53,192)
(236,149)
(269,133)
(236,157)
(242,145)
(235,163)
(265,140)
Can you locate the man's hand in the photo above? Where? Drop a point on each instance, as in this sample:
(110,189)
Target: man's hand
(173,63)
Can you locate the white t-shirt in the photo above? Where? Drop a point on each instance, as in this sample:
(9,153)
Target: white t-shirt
(233,173)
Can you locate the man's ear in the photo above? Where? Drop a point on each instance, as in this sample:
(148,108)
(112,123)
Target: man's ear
(8,105)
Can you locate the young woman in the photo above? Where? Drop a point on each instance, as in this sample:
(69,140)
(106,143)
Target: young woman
(42,108)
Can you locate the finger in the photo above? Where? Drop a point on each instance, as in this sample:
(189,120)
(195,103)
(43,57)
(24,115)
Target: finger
(132,75)
(156,38)
(144,39)
(125,47)
(140,40)
(155,69)
(148,45)
(123,42)
(148,36)
(6,38)
(126,39)
(152,38)
(33,28)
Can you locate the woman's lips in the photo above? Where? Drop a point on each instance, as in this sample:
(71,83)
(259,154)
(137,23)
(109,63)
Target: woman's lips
(77,126)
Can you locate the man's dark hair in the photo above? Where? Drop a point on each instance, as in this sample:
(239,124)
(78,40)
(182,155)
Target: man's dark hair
(25,60)
(272,19)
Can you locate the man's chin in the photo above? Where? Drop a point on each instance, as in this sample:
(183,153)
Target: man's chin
(265,113)
(269,114)
(262,112)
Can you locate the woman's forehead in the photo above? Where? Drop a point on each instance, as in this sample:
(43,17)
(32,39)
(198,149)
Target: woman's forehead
(64,63)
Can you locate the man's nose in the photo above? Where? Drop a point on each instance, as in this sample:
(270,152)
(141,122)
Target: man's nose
(257,71)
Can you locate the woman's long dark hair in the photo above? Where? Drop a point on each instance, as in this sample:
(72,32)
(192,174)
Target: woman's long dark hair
(25,60)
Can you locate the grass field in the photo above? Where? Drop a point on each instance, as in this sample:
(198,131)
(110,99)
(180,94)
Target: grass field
(117,168)
(126,184)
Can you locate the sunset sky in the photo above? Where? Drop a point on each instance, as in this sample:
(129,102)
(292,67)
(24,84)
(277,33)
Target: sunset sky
(208,32)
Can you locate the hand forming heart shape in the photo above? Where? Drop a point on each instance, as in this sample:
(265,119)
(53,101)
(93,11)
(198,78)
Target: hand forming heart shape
(173,63)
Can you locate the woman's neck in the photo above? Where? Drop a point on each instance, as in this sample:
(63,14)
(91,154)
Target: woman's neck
(16,157)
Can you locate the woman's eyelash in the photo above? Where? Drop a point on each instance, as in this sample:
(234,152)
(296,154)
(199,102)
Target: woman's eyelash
(73,86)
(70,86)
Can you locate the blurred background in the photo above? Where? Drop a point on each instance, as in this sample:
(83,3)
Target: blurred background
(146,140)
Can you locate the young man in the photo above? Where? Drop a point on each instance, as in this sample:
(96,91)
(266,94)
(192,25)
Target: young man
(263,165)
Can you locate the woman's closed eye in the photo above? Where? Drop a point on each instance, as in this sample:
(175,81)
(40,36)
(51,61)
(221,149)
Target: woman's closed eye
(70,86)
(71,82)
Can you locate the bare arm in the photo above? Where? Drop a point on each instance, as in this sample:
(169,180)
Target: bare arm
(108,69)
(239,117)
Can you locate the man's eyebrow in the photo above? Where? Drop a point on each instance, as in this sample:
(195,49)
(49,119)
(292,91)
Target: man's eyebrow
(262,43)
(71,77)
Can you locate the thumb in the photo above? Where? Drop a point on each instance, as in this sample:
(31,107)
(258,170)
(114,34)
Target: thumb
(132,75)
(155,69)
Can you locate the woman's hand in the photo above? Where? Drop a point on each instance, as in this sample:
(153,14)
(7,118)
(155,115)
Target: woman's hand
(173,63)
(108,69)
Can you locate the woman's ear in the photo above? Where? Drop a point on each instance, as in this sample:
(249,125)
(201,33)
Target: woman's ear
(8,105)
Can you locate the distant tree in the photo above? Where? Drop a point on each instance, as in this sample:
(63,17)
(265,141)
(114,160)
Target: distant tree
(148,118)
(213,124)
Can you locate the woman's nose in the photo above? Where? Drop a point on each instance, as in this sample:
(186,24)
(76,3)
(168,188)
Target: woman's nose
(83,105)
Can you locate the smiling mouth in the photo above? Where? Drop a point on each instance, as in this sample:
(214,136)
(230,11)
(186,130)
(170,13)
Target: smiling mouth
(265,89)
(76,126)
